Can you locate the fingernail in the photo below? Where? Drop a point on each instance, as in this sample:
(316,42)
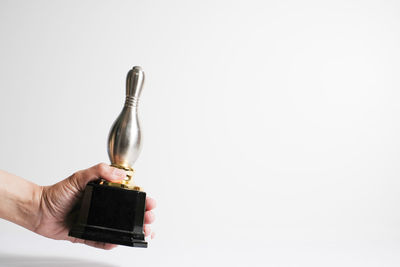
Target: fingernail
(118,174)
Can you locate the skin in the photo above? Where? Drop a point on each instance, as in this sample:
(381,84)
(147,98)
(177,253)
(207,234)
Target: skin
(46,210)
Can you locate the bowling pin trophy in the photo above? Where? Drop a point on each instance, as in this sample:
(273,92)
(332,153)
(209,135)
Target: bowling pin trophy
(114,212)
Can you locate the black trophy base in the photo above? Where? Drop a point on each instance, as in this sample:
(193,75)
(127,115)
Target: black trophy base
(112,215)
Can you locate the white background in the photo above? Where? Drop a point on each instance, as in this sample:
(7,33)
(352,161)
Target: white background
(271,128)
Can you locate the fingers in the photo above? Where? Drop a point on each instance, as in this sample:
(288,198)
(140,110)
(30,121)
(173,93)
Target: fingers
(101,245)
(149,217)
(101,170)
(147,230)
(108,246)
(150,203)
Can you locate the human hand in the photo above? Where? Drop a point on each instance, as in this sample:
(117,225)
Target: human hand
(58,200)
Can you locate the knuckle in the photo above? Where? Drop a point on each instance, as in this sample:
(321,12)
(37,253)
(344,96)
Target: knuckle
(102,167)
(76,174)
(74,178)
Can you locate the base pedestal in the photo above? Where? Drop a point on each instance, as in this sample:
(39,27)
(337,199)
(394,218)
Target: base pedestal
(112,215)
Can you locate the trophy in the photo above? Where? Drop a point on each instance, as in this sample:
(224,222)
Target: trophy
(113,212)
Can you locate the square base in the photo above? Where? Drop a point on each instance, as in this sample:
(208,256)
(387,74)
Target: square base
(112,215)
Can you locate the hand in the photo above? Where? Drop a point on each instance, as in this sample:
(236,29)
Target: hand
(58,200)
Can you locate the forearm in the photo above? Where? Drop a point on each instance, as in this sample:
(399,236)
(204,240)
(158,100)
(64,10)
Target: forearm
(19,200)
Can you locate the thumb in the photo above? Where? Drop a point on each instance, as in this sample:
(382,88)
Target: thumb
(101,170)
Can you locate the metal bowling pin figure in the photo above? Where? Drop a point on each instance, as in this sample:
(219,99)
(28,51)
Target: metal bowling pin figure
(125,137)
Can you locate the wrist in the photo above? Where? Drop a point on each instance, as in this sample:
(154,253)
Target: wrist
(28,208)
(31,208)
(19,201)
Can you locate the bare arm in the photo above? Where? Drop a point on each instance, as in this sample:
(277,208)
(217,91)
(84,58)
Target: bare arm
(19,200)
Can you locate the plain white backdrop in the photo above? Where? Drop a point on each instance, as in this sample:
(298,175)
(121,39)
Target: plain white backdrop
(271,128)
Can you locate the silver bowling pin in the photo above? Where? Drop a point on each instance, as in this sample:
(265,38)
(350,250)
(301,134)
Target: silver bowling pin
(125,137)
